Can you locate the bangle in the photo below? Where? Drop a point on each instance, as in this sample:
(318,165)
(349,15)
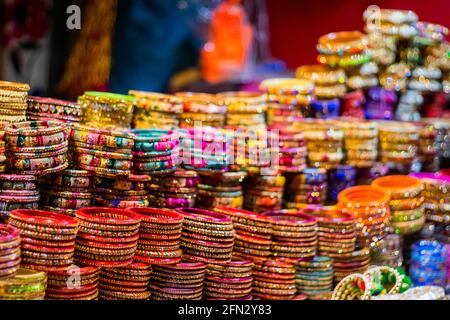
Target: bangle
(286,86)
(157,101)
(100,137)
(321,74)
(44,218)
(341,43)
(351,287)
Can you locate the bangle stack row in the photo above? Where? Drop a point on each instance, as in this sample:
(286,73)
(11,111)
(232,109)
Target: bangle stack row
(37,147)
(26,284)
(156,110)
(177,189)
(67,191)
(75,283)
(48,109)
(13,101)
(125,283)
(159,236)
(181,281)
(17,192)
(9,250)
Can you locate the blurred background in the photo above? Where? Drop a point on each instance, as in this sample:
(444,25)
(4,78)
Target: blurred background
(173,45)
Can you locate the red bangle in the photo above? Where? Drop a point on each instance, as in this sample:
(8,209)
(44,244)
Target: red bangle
(204,215)
(113,216)
(329,215)
(41,217)
(95,238)
(160,216)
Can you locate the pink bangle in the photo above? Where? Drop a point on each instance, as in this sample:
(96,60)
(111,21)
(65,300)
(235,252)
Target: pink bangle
(8,233)
(204,215)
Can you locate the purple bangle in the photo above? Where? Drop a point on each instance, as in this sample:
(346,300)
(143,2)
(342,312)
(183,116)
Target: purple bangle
(382,95)
(205,215)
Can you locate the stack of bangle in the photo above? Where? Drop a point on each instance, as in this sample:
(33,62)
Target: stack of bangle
(207,236)
(17,192)
(249,148)
(425,80)
(37,147)
(9,250)
(344,49)
(336,233)
(355,286)
(294,234)
(380,104)
(288,99)
(201,109)
(308,187)
(106,237)
(361,142)
(53,109)
(155,150)
(329,87)
(75,283)
(156,110)
(291,149)
(388,251)
(204,148)
(125,283)
(122,192)
(315,277)
(245,109)
(398,142)
(13,101)
(324,142)
(428,263)
(370,208)
(220,189)
(382,48)
(343,177)
(353,104)
(230,281)
(406,202)
(253,233)
(105,153)
(109,111)
(395,77)
(26,284)
(442,140)
(48,239)
(363,76)
(274,279)
(179,281)
(263,192)
(159,236)
(67,191)
(173,190)
(427,147)
(349,263)
(389,22)
(408,108)
(437,195)
(431,34)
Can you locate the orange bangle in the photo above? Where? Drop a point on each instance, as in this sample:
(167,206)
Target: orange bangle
(363,196)
(399,186)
